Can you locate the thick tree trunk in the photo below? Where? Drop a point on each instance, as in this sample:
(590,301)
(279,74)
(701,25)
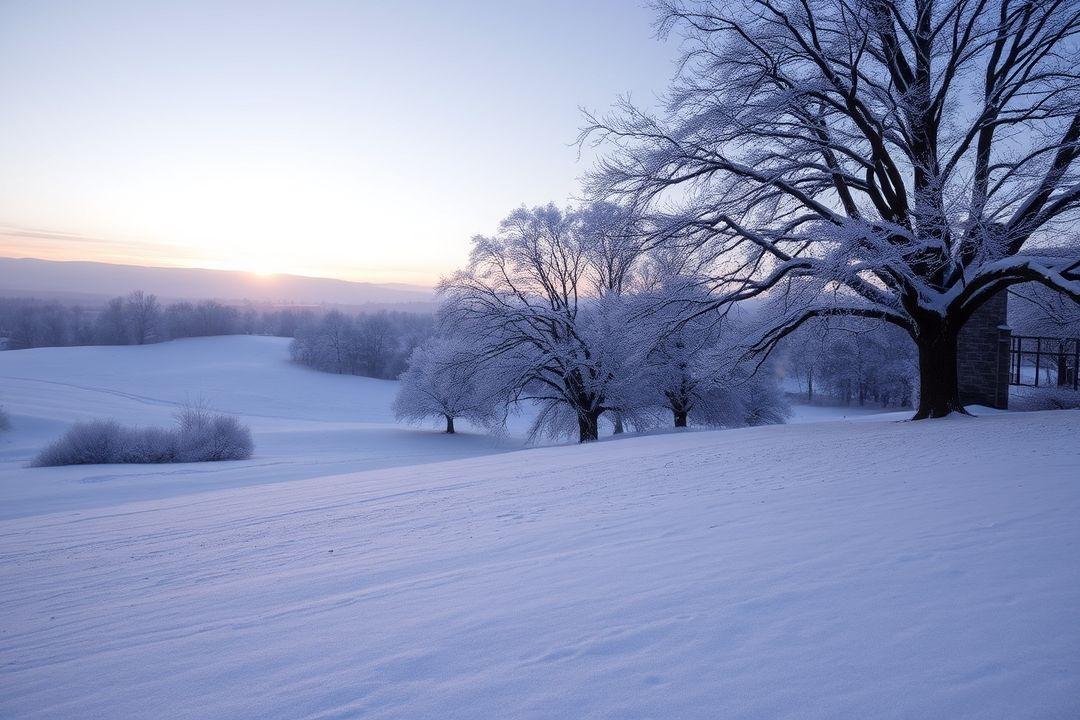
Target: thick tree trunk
(449,424)
(618,424)
(680,418)
(939,388)
(588,426)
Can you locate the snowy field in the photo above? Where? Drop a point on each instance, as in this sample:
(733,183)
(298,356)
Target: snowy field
(817,570)
(305,423)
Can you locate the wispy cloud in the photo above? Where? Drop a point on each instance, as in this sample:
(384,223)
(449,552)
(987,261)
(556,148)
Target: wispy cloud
(53,245)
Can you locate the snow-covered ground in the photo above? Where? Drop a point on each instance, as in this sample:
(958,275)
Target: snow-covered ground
(803,413)
(818,570)
(305,423)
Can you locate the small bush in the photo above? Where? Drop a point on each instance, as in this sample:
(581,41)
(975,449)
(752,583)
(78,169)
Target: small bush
(95,441)
(199,436)
(203,436)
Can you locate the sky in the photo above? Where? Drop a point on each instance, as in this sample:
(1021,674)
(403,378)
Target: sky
(363,140)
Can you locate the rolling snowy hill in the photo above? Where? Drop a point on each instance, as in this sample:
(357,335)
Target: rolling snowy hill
(305,423)
(831,570)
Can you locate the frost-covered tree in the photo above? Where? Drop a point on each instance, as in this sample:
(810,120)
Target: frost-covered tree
(443,381)
(614,245)
(110,328)
(376,345)
(686,360)
(804,359)
(910,159)
(851,359)
(697,367)
(614,248)
(523,303)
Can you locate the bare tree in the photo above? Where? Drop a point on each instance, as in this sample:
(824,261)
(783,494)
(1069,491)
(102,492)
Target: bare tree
(143,315)
(443,381)
(695,362)
(520,304)
(110,327)
(911,159)
(614,246)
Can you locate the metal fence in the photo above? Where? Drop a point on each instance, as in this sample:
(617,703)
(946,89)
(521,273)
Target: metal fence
(1044,361)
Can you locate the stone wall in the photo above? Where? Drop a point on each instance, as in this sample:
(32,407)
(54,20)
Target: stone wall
(983,361)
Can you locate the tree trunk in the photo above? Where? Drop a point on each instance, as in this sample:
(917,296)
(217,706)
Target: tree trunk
(810,387)
(680,418)
(588,422)
(939,388)
(618,424)
(449,424)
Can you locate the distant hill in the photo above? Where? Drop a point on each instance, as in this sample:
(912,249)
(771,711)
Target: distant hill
(86,280)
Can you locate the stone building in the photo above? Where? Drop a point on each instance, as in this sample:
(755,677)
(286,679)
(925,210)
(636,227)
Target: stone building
(983,355)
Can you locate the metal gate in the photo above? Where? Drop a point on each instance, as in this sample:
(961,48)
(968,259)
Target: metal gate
(1044,361)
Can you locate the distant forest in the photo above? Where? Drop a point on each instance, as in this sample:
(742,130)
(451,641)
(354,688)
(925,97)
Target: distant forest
(375,344)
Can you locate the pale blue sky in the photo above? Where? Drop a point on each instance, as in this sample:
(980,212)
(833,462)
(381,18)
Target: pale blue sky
(366,140)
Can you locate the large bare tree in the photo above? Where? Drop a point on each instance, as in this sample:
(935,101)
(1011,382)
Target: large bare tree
(900,160)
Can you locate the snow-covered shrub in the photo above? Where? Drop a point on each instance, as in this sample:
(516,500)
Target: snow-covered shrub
(763,401)
(203,436)
(199,436)
(5,420)
(93,441)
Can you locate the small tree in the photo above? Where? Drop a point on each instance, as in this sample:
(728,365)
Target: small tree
(443,381)
(698,369)
(523,303)
(111,325)
(142,314)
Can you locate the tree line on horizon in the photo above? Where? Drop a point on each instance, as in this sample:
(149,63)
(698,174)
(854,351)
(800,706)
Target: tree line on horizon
(376,344)
(138,318)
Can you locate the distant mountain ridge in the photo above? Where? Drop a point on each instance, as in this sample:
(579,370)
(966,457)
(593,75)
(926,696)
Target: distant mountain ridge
(51,278)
